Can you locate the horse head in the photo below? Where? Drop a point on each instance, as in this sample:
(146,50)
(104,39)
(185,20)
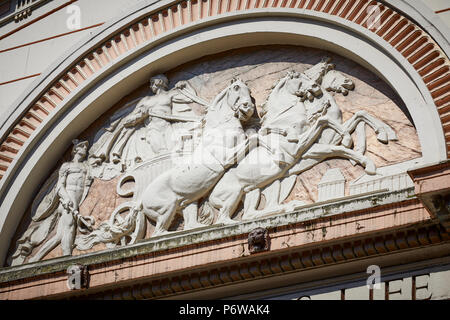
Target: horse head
(318,71)
(238,99)
(306,88)
(337,82)
(293,85)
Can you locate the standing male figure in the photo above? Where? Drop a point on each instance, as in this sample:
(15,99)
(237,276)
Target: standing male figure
(72,187)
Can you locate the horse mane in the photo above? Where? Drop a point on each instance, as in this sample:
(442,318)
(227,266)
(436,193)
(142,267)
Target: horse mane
(319,70)
(213,105)
(218,99)
(222,94)
(280,83)
(328,81)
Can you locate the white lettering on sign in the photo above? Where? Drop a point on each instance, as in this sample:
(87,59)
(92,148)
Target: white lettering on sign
(428,286)
(422,287)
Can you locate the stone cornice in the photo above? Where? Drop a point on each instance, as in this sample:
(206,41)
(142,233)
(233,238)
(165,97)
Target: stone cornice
(432,187)
(307,215)
(404,241)
(302,242)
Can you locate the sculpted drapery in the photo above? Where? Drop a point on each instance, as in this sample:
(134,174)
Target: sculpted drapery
(147,131)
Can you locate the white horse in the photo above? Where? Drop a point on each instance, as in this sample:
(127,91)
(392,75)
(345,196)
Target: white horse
(329,143)
(223,143)
(285,128)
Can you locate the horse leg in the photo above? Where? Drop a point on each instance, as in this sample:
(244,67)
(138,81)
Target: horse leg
(327,151)
(225,197)
(229,206)
(315,153)
(367,163)
(161,208)
(251,202)
(361,143)
(165,218)
(274,202)
(190,216)
(272,194)
(320,152)
(309,137)
(342,131)
(384,132)
(306,163)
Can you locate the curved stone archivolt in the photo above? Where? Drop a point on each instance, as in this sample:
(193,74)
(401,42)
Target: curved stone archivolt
(393,27)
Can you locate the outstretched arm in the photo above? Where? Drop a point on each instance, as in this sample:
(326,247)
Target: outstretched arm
(178,96)
(139,114)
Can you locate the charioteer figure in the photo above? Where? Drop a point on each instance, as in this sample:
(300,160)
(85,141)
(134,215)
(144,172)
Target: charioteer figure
(147,130)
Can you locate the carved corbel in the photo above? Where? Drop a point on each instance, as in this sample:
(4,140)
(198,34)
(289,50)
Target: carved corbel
(441,204)
(22,15)
(258,240)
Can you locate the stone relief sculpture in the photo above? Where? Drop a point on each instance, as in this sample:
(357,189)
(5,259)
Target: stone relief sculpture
(223,142)
(284,126)
(147,131)
(60,208)
(288,122)
(301,125)
(331,80)
(316,104)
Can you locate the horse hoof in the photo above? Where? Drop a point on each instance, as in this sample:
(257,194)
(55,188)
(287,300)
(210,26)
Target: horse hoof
(382,136)
(370,168)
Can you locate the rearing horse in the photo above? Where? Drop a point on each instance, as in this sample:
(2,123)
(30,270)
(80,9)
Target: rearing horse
(329,144)
(223,143)
(284,128)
